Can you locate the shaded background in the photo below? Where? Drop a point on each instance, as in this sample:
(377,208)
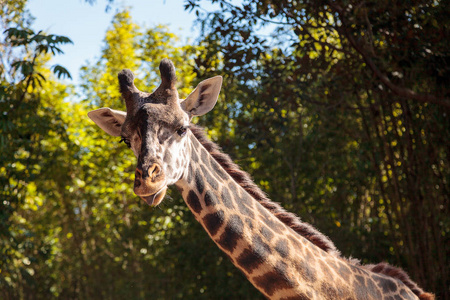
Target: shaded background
(338,109)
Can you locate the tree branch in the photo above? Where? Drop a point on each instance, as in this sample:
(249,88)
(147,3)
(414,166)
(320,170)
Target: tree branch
(398,90)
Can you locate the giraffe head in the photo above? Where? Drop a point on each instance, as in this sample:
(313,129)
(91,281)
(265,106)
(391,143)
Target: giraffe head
(155,127)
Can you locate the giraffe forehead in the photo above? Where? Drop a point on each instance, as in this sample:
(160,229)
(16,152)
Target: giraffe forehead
(154,116)
(162,113)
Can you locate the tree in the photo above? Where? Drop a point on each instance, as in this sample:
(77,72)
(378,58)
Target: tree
(28,120)
(166,244)
(355,103)
(71,227)
(322,114)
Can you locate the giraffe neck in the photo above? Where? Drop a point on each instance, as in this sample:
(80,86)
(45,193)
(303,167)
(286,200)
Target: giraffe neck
(278,261)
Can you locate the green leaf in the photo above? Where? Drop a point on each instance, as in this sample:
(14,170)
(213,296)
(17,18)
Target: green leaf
(61,72)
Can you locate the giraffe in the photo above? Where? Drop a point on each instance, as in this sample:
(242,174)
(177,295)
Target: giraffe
(283,257)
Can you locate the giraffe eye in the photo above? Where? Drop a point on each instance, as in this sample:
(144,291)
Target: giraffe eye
(182,130)
(126,141)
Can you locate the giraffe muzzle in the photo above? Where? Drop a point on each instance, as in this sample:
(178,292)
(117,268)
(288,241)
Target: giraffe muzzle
(155,199)
(150,185)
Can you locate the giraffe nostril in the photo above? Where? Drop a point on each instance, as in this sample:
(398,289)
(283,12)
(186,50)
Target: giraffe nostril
(137,182)
(154,171)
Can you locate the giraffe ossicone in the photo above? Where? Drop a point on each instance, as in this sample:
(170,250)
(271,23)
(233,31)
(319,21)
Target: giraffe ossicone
(281,256)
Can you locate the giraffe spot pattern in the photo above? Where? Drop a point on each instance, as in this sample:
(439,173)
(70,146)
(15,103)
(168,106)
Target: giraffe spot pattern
(266,218)
(295,243)
(343,271)
(360,280)
(267,233)
(388,285)
(282,248)
(214,221)
(372,288)
(226,198)
(218,169)
(177,163)
(234,190)
(190,174)
(169,169)
(195,143)
(194,155)
(232,233)
(199,182)
(210,199)
(332,264)
(194,202)
(204,157)
(330,291)
(209,178)
(249,260)
(259,247)
(359,287)
(167,157)
(281,267)
(324,266)
(249,223)
(272,281)
(242,202)
(359,271)
(306,271)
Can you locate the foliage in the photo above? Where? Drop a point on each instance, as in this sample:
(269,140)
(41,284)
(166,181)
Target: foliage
(29,118)
(341,115)
(354,99)
(72,227)
(157,246)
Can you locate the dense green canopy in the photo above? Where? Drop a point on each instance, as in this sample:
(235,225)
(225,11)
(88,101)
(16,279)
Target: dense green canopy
(339,110)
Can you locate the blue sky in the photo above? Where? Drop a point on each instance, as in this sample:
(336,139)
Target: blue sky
(86,24)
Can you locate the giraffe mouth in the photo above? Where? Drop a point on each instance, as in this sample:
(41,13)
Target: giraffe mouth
(156,198)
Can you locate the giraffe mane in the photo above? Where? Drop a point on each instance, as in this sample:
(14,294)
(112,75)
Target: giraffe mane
(398,273)
(245,181)
(304,229)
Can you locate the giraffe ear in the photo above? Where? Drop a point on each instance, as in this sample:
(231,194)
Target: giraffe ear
(108,119)
(203,98)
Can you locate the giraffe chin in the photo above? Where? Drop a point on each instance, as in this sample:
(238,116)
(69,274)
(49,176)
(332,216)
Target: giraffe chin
(155,199)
